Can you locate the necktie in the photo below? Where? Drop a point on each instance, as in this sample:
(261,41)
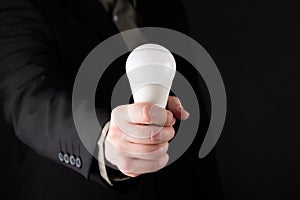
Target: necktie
(125,17)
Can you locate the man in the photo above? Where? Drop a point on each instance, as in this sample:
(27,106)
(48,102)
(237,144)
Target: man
(43,44)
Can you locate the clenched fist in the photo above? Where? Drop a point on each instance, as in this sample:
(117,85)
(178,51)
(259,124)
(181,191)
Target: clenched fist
(137,140)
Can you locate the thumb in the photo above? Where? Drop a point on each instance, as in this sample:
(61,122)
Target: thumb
(175,106)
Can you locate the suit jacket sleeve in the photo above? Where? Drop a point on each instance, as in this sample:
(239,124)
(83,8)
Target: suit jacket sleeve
(34,87)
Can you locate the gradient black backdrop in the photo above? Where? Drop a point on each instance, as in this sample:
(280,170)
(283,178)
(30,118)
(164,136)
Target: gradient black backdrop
(256,46)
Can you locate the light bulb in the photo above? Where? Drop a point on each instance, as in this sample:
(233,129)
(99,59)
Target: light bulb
(150,69)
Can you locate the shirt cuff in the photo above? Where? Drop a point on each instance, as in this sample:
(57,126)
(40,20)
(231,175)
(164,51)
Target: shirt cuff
(101,159)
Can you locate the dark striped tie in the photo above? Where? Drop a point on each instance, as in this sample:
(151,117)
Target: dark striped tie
(125,17)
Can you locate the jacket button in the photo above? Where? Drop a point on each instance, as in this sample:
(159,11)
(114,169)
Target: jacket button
(78,162)
(66,158)
(72,160)
(61,156)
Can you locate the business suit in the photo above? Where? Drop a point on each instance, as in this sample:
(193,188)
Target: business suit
(45,43)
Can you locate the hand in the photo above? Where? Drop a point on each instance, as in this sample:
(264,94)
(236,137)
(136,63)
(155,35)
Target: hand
(137,140)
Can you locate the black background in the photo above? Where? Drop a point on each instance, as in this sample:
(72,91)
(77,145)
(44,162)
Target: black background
(256,46)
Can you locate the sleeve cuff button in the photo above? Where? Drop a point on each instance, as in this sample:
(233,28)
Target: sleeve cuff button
(78,162)
(72,160)
(61,157)
(66,158)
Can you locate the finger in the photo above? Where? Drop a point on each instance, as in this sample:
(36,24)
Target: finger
(164,135)
(114,153)
(138,166)
(142,134)
(175,106)
(146,113)
(154,155)
(149,156)
(135,131)
(131,148)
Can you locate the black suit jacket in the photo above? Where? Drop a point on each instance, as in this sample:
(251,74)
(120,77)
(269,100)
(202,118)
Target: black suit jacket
(43,44)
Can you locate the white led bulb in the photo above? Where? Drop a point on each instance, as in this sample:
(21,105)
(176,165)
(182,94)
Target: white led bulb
(151,69)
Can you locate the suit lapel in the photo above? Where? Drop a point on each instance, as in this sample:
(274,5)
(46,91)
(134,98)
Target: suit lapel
(93,13)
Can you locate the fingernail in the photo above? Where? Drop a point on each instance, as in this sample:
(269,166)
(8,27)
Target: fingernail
(184,112)
(187,114)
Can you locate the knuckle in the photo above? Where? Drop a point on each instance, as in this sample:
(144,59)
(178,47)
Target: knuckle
(164,135)
(158,147)
(159,153)
(166,131)
(152,130)
(157,138)
(110,136)
(146,113)
(172,132)
(164,160)
(155,166)
(177,100)
(113,134)
(169,115)
(160,163)
(116,145)
(125,165)
(154,148)
(124,138)
(119,108)
(173,100)
(115,111)
(166,147)
(119,113)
